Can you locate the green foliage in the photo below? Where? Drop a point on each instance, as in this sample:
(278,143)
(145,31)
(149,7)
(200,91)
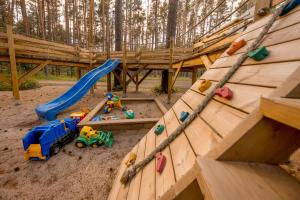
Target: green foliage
(29,84)
(26,85)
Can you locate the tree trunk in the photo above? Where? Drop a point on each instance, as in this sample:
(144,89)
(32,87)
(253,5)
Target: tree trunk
(24,16)
(171,31)
(118,37)
(67,39)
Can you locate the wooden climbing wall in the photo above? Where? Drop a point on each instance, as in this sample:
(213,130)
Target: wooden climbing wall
(221,118)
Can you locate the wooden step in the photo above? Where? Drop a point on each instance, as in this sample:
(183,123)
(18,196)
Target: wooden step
(283,110)
(237,180)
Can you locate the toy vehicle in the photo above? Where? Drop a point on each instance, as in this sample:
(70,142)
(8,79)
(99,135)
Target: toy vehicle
(46,140)
(113,101)
(93,138)
(78,115)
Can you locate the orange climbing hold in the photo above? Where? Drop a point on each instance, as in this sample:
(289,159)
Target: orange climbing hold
(224,92)
(236,46)
(204,85)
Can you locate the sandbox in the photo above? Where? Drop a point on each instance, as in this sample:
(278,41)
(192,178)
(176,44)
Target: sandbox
(147,111)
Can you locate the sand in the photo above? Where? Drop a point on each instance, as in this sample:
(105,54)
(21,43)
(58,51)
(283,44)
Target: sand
(71,174)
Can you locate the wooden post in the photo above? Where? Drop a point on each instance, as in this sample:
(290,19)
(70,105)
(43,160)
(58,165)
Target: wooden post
(108,43)
(170,77)
(78,73)
(194,75)
(90,68)
(124,63)
(137,83)
(13,64)
(262,8)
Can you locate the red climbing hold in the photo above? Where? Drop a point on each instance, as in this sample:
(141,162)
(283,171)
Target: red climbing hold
(160,162)
(224,92)
(236,46)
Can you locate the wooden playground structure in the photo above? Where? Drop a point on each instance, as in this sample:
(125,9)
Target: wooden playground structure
(234,148)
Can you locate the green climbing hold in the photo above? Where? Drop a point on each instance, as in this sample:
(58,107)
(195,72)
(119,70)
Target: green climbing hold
(159,129)
(259,53)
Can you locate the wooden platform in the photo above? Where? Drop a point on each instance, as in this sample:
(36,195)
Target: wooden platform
(234,130)
(142,118)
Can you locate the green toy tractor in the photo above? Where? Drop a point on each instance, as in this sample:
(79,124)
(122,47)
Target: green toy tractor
(95,140)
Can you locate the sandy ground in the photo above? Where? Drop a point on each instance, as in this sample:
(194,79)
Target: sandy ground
(73,173)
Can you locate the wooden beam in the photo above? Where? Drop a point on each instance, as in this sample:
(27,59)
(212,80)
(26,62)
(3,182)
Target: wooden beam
(194,75)
(124,65)
(13,64)
(162,108)
(78,73)
(206,61)
(145,76)
(117,76)
(136,83)
(170,71)
(131,78)
(35,70)
(283,110)
(136,73)
(176,74)
(4,79)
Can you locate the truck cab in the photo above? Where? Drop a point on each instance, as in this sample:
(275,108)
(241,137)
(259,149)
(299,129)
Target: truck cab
(46,140)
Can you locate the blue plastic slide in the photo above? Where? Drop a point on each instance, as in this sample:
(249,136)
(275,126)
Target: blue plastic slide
(76,92)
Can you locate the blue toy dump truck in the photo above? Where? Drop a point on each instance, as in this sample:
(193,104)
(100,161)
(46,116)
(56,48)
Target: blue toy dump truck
(46,140)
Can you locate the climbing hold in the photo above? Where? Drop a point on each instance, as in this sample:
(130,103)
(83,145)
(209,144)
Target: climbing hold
(131,160)
(293,4)
(236,46)
(184,115)
(204,85)
(224,92)
(259,53)
(159,129)
(160,162)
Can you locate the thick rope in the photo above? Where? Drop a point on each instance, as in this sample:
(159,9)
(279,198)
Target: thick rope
(131,172)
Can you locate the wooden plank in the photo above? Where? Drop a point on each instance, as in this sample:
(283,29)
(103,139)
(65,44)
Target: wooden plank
(135,183)
(278,34)
(206,61)
(222,118)
(194,75)
(245,97)
(182,153)
(91,114)
(159,104)
(13,64)
(201,137)
(136,73)
(286,186)
(165,180)
(117,185)
(278,53)
(145,76)
(279,140)
(33,71)
(147,189)
(268,75)
(286,111)
(177,73)
(235,180)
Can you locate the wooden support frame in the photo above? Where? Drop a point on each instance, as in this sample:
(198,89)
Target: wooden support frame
(145,76)
(206,61)
(283,110)
(35,70)
(136,73)
(13,63)
(123,123)
(124,69)
(117,76)
(177,73)
(131,78)
(170,75)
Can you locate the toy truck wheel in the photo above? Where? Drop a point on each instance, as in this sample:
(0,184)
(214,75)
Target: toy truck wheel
(55,149)
(80,144)
(95,145)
